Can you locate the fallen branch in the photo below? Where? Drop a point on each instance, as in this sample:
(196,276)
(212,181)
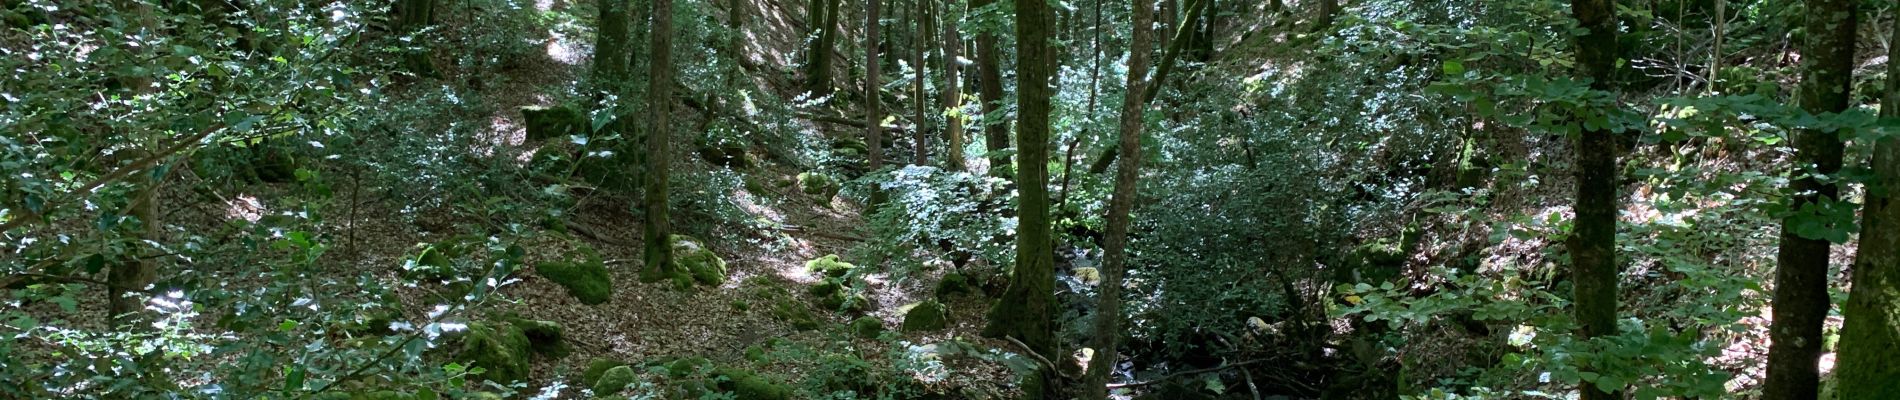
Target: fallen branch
(1045,361)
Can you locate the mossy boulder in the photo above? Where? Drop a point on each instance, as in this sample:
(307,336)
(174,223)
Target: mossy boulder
(867,327)
(544,337)
(614,380)
(587,280)
(830,266)
(500,348)
(929,315)
(846,302)
(953,283)
(849,147)
(727,153)
(826,287)
(746,385)
(1087,275)
(795,313)
(597,368)
(818,184)
(553,122)
(686,367)
(692,258)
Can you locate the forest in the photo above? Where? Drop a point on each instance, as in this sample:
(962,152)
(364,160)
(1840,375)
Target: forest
(949,199)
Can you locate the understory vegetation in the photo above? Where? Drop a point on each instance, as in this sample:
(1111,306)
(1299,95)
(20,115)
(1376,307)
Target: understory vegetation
(949,199)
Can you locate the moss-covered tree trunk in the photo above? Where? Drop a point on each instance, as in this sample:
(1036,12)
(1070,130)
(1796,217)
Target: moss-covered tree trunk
(952,92)
(989,87)
(1800,299)
(920,134)
(1868,367)
(873,117)
(1108,307)
(1025,311)
(1593,245)
(818,63)
(611,45)
(658,233)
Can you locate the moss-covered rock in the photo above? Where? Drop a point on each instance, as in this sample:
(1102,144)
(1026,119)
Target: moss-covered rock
(544,337)
(755,353)
(928,315)
(727,153)
(614,380)
(951,284)
(553,122)
(691,257)
(1087,275)
(383,395)
(500,348)
(746,385)
(844,301)
(597,368)
(826,287)
(587,281)
(687,367)
(795,313)
(481,396)
(818,184)
(867,327)
(830,266)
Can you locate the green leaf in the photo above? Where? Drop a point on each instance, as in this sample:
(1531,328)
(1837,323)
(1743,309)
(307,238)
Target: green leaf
(1454,67)
(287,325)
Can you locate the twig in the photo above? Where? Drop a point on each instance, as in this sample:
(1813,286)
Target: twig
(1250,385)
(1185,373)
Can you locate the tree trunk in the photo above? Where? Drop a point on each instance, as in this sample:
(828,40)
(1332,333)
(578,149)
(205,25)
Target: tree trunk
(611,45)
(130,277)
(1107,324)
(1026,310)
(1329,11)
(657,233)
(873,118)
(818,64)
(411,17)
(1868,369)
(735,15)
(1593,245)
(952,92)
(921,132)
(1800,299)
(989,81)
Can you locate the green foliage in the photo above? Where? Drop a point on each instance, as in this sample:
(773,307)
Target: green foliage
(544,123)
(829,266)
(867,327)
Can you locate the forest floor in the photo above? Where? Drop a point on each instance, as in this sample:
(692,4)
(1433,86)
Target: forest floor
(653,321)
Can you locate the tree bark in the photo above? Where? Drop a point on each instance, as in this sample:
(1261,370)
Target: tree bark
(1800,299)
(1026,310)
(873,137)
(1107,324)
(1593,245)
(658,233)
(611,45)
(1868,369)
(921,134)
(952,92)
(989,81)
(818,63)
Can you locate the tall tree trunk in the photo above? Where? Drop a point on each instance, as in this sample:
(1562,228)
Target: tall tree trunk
(132,276)
(1026,309)
(873,117)
(1329,11)
(1108,307)
(1868,369)
(1801,300)
(411,17)
(1593,245)
(818,65)
(989,81)
(611,45)
(657,233)
(952,91)
(735,18)
(921,133)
